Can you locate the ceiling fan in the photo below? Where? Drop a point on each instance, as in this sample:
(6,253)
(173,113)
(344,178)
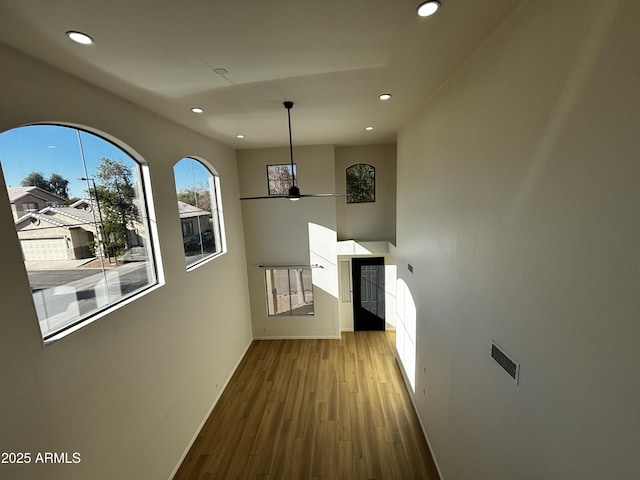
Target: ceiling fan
(294,192)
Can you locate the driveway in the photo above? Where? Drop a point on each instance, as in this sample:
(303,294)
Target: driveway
(56,264)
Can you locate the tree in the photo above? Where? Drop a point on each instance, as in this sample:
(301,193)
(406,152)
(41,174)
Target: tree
(58,185)
(116,195)
(35,179)
(280,178)
(361,183)
(198,196)
(55,184)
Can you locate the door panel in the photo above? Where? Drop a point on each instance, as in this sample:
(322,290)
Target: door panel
(368,293)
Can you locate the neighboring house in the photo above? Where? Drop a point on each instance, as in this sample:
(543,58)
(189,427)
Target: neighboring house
(193,220)
(68,232)
(31,199)
(58,233)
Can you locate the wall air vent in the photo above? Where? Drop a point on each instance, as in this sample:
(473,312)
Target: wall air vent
(505,361)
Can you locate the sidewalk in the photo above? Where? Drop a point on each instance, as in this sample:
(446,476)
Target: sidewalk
(56,264)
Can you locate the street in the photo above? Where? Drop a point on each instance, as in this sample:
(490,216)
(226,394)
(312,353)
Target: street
(62,296)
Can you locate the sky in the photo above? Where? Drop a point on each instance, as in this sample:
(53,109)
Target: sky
(54,149)
(189,172)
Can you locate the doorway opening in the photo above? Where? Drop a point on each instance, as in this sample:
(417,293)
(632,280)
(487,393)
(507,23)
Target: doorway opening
(368,293)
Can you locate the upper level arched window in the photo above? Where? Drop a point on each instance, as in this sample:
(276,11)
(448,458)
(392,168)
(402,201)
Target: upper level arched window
(361,183)
(199,205)
(80,214)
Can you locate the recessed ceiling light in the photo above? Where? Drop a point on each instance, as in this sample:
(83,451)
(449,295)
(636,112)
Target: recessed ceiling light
(80,37)
(239,136)
(368,129)
(427,9)
(385,96)
(197,110)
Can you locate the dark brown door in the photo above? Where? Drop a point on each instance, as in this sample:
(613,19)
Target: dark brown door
(368,293)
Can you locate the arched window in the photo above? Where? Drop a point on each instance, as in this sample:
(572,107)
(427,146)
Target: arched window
(80,215)
(199,205)
(361,183)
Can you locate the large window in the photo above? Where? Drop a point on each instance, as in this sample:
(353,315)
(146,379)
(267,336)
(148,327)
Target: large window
(361,183)
(280,178)
(289,291)
(80,216)
(199,205)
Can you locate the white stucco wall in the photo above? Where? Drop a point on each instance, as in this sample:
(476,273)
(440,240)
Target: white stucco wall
(282,232)
(519,213)
(129,391)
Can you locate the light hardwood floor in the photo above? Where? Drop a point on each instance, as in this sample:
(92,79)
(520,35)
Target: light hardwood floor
(313,409)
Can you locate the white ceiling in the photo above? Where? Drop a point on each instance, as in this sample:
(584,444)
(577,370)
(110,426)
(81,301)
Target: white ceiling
(331,57)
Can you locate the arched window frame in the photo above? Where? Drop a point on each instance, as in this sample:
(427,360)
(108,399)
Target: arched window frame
(198,247)
(358,172)
(64,306)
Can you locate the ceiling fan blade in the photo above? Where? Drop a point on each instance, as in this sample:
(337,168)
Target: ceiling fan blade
(264,196)
(294,191)
(290,197)
(322,195)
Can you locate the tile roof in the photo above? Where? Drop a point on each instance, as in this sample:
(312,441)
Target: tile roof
(18,192)
(187,211)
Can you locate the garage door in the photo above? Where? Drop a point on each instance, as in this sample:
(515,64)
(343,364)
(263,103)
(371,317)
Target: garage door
(44,249)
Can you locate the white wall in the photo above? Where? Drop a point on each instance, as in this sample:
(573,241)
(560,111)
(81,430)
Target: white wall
(279,231)
(129,391)
(368,221)
(519,211)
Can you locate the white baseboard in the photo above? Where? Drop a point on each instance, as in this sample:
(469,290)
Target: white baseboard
(206,417)
(301,337)
(415,409)
(388,328)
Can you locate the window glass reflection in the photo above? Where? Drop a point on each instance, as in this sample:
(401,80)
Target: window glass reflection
(197,190)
